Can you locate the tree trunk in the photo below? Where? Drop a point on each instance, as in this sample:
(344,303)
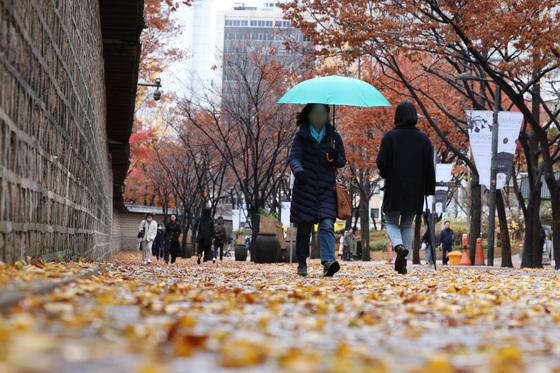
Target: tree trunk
(315,249)
(531,242)
(364,222)
(348,224)
(416,242)
(555,202)
(255,227)
(504,231)
(475,212)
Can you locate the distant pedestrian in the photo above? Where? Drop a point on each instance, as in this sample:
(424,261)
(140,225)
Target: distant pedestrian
(147,234)
(341,246)
(205,233)
(405,161)
(158,248)
(446,241)
(426,247)
(358,240)
(316,152)
(172,233)
(248,241)
(348,244)
(220,238)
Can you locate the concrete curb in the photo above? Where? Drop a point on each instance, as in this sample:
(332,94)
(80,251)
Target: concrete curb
(11,298)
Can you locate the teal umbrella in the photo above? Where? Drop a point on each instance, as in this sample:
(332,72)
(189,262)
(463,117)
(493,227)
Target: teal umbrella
(335,90)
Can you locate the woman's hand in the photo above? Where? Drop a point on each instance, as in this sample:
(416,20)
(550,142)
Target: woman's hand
(331,155)
(301,177)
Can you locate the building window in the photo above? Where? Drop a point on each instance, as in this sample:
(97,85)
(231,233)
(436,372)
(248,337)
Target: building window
(245,23)
(253,23)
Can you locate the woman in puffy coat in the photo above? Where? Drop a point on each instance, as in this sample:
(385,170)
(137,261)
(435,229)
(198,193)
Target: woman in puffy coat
(314,161)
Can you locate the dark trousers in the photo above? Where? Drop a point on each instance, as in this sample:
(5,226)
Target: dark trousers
(159,250)
(326,239)
(171,248)
(205,251)
(446,250)
(219,246)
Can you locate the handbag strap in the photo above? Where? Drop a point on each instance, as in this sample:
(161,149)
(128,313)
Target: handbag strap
(333,146)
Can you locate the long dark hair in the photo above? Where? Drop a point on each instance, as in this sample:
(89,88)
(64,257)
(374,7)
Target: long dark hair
(303,116)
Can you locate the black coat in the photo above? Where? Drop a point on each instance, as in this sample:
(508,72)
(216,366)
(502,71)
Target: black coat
(405,161)
(315,199)
(172,231)
(205,231)
(159,241)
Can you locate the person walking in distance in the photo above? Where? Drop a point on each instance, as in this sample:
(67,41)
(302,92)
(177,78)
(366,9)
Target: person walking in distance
(446,237)
(316,152)
(147,234)
(158,248)
(425,240)
(348,244)
(172,233)
(405,161)
(220,237)
(205,233)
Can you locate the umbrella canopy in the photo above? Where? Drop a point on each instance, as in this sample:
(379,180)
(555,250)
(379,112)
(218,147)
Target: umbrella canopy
(335,90)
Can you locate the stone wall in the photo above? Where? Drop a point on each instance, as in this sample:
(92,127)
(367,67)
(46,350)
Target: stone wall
(55,173)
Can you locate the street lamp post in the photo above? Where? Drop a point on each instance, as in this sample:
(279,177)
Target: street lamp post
(493,166)
(157,84)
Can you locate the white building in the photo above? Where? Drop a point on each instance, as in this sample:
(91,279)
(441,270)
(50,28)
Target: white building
(219,26)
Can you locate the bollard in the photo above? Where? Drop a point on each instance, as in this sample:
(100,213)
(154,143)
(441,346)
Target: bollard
(479,256)
(465,259)
(389,252)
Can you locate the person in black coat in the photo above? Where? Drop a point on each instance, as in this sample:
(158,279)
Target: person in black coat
(158,247)
(446,237)
(314,161)
(172,233)
(405,161)
(205,234)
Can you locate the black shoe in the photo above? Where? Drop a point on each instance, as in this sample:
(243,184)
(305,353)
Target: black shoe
(198,260)
(302,269)
(330,268)
(400,261)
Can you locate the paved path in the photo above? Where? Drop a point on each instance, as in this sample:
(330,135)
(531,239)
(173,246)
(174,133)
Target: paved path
(241,317)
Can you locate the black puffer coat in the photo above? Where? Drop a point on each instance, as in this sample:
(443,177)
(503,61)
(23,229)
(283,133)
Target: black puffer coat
(315,199)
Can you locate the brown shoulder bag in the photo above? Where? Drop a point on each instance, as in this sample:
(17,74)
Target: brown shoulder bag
(343,203)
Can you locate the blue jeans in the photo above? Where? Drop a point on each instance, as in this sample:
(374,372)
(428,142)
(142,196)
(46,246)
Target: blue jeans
(399,228)
(326,239)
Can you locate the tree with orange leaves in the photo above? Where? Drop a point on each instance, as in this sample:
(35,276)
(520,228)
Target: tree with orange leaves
(514,45)
(247,128)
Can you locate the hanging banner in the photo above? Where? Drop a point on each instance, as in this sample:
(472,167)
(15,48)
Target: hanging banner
(441,199)
(443,172)
(285,214)
(479,124)
(235,219)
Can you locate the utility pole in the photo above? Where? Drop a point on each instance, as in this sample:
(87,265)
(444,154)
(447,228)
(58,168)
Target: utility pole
(493,171)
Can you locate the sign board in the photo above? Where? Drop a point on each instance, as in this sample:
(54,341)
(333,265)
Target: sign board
(479,124)
(285,214)
(235,219)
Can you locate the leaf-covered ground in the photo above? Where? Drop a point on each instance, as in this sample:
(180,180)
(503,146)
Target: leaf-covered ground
(230,316)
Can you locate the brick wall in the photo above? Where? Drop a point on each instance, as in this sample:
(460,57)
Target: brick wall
(55,175)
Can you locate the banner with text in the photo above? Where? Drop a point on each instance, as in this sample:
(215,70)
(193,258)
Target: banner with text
(479,124)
